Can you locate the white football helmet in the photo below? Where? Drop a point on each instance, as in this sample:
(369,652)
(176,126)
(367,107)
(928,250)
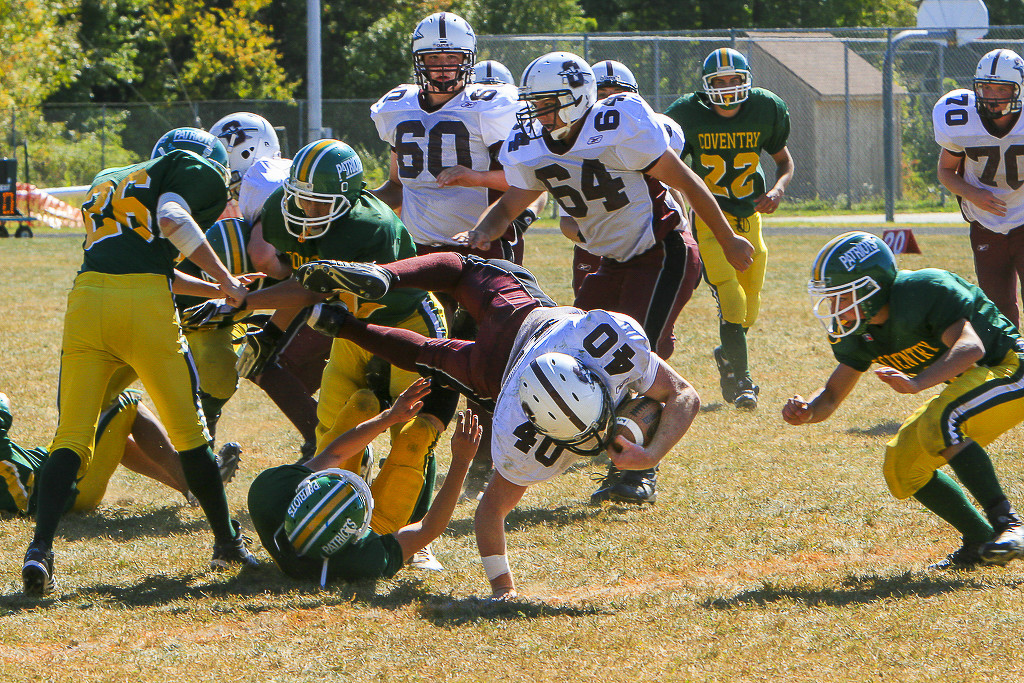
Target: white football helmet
(492,72)
(248,138)
(562,76)
(566,401)
(612,74)
(999,67)
(438,33)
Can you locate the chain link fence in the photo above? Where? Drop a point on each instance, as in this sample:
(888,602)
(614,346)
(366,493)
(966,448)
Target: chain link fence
(831,80)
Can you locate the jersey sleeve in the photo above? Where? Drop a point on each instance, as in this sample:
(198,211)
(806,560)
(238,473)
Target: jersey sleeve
(676,138)
(780,132)
(381,112)
(640,139)
(199,183)
(498,120)
(943,116)
(511,157)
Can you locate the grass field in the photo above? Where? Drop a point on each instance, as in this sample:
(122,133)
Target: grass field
(773,553)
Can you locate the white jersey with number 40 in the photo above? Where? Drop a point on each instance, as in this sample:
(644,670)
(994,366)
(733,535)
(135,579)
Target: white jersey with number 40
(990,162)
(459,132)
(613,345)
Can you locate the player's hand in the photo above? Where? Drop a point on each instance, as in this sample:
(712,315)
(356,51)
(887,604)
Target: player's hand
(504,594)
(797,411)
(900,382)
(739,252)
(986,201)
(248,278)
(466,438)
(410,402)
(768,202)
(260,348)
(458,176)
(626,455)
(234,291)
(473,240)
(210,312)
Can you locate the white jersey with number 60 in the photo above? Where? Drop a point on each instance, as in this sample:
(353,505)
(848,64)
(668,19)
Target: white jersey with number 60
(990,162)
(613,345)
(458,133)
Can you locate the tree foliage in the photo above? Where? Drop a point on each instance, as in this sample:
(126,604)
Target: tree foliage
(38,52)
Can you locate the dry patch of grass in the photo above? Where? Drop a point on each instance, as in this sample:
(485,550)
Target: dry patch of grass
(773,553)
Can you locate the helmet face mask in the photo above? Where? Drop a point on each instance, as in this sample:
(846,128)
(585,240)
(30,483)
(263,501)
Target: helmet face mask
(325,179)
(725,63)
(440,34)
(559,84)
(197,141)
(247,137)
(331,509)
(998,68)
(567,402)
(850,282)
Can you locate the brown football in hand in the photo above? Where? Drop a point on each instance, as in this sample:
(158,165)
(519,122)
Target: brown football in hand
(637,419)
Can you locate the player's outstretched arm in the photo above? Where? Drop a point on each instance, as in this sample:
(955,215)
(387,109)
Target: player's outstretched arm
(823,402)
(499,498)
(465,441)
(497,216)
(670,170)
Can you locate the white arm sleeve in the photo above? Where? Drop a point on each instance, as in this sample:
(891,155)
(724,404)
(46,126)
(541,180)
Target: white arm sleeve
(186,235)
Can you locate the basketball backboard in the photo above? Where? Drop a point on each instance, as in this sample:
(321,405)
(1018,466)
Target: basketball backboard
(968,19)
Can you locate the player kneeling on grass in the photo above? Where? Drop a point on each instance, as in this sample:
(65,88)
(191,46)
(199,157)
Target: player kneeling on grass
(924,328)
(317,520)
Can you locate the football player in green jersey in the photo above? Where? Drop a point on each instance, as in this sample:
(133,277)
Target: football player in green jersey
(315,519)
(121,314)
(925,328)
(726,128)
(127,434)
(323,211)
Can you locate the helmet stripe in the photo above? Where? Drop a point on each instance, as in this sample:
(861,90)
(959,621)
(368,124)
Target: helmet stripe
(307,162)
(556,397)
(724,58)
(234,244)
(825,254)
(310,525)
(442,31)
(323,527)
(995,62)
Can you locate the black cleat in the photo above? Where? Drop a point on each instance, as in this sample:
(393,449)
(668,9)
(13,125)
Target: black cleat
(233,552)
(1008,540)
(228,458)
(635,486)
(328,319)
(964,558)
(608,482)
(746,398)
(365,280)
(37,572)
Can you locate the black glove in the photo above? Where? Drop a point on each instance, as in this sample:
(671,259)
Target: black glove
(524,220)
(260,348)
(209,313)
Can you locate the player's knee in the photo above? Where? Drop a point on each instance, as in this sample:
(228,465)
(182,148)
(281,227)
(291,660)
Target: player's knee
(414,442)
(904,475)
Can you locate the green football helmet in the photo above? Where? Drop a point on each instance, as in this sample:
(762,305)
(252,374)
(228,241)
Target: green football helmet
(193,140)
(326,172)
(721,63)
(331,509)
(228,238)
(853,273)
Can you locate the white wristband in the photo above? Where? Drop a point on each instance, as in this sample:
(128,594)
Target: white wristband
(495,566)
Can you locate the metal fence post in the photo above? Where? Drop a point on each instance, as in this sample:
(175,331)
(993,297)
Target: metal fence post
(849,142)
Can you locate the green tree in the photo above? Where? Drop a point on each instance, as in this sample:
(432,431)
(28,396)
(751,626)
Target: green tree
(38,53)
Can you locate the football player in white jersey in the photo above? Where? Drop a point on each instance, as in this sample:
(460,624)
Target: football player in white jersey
(257,169)
(492,72)
(982,140)
(553,374)
(445,132)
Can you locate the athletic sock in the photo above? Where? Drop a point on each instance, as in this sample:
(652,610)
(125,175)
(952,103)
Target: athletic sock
(734,346)
(203,479)
(975,471)
(942,496)
(55,492)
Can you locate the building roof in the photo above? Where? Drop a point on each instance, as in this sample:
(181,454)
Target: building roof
(817,59)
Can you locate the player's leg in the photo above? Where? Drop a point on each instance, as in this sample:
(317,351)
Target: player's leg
(345,401)
(214,355)
(993,264)
(159,354)
(112,433)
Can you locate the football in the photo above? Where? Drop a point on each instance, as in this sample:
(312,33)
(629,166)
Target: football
(637,419)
